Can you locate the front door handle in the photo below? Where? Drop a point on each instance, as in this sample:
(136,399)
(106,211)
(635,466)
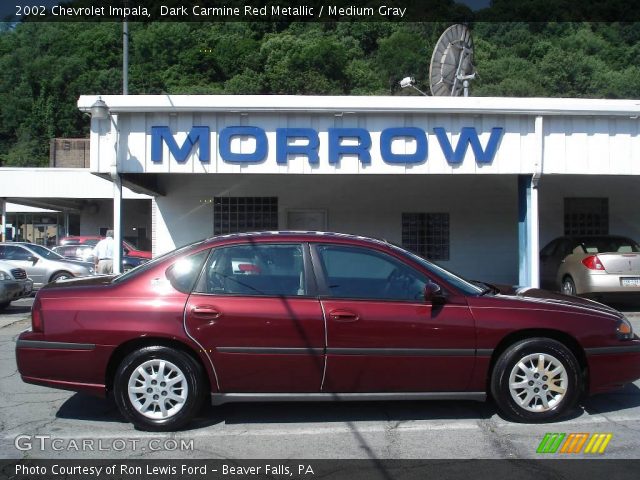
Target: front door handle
(344,316)
(205,311)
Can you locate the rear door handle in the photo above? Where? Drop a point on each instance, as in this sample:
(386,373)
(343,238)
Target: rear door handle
(205,311)
(344,316)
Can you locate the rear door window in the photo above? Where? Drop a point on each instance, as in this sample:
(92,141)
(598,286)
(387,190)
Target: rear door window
(255,270)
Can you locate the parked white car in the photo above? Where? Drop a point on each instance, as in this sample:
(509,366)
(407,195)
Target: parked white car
(41,264)
(14,284)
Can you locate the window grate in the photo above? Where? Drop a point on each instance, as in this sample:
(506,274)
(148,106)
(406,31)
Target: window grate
(586,216)
(244,214)
(426,234)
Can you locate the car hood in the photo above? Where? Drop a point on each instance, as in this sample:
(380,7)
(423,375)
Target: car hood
(553,299)
(80,282)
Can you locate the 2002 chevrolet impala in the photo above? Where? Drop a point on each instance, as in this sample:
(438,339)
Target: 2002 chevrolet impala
(317,316)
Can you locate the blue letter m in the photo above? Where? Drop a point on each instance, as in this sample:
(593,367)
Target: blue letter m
(468,135)
(197,134)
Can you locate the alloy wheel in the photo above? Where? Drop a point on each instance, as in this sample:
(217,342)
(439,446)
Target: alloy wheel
(158,389)
(538,382)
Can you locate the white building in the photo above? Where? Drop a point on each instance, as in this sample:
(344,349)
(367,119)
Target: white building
(477,184)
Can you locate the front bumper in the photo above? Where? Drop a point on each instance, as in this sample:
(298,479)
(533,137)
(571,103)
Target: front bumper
(613,367)
(11,290)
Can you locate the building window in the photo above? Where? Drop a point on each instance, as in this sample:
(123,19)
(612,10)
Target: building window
(426,234)
(244,214)
(586,216)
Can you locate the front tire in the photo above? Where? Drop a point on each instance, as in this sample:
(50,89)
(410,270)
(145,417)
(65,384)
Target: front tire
(60,276)
(159,388)
(536,380)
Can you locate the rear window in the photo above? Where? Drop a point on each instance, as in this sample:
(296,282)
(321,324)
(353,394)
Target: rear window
(143,267)
(608,245)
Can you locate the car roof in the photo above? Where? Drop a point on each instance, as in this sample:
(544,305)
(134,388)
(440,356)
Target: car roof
(296,235)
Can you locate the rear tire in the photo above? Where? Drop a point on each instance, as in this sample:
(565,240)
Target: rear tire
(4,305)
(536,380)
(568,286)
(159,388)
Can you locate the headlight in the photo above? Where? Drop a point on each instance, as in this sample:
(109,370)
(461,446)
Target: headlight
(90,270)
(624,330)
(5,276)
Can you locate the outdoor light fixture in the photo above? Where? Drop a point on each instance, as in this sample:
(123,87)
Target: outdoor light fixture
(99,110)
(410,82)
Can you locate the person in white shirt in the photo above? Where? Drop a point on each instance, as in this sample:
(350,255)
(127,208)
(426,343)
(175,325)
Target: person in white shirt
(103,254)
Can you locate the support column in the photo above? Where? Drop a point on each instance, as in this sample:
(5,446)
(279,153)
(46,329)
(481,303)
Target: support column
(528,236)
(3,209)
(117,222)
(66,224)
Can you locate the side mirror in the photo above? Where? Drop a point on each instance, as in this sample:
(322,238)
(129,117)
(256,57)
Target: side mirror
(433,292)
(33,259)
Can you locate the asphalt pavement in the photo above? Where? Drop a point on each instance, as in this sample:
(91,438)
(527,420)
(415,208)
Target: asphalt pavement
(38,422)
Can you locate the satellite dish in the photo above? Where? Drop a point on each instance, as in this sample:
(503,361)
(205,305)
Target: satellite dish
(452,63)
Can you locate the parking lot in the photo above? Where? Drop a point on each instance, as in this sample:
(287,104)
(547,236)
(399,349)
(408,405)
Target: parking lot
(38,422)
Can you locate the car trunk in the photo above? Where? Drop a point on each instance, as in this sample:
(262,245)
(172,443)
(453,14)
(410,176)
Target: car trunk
(621,263)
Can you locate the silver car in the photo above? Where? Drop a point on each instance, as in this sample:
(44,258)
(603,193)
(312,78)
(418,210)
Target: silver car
(14,284)
(41,264)
(598,264)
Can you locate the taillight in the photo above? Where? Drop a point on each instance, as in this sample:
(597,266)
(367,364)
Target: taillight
(592,262)
(37,322)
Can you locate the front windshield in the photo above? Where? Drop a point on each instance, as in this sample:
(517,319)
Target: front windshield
(44,252)
(458,282)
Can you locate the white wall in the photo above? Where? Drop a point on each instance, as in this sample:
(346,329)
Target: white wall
(483,211)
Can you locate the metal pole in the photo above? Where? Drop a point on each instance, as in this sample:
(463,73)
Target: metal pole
(117,202)
(3,207)
(117,223)
(125,55)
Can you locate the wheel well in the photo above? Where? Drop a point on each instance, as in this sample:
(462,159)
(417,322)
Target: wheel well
(58,273)
(562,337)
(126,348)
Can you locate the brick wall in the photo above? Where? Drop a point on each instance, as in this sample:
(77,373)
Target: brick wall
(69,152)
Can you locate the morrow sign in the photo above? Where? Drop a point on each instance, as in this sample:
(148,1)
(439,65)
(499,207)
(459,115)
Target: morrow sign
(201,136)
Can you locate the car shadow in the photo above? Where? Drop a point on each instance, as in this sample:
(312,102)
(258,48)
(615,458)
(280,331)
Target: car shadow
(85,407)
(340,412)
(622,399)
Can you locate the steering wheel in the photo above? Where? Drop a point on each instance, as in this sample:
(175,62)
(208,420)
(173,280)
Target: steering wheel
(395,282)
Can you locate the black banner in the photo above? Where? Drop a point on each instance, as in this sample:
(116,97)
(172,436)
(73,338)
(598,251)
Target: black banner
(318,469)
(450,11)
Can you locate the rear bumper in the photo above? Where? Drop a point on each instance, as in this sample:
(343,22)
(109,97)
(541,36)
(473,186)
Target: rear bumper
(604,283)
(613,367)
(79,367)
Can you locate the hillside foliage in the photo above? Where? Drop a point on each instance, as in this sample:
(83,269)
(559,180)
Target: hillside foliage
(44,67)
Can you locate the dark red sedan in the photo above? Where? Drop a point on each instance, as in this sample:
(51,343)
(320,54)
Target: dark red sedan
(317,316)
